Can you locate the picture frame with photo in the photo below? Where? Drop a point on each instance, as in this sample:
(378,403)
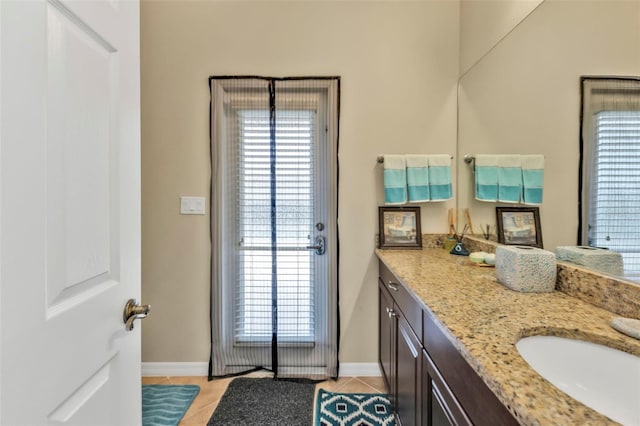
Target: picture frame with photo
(519,226)
(399,228)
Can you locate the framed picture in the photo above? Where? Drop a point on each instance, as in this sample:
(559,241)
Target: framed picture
(400,227)
(519,226)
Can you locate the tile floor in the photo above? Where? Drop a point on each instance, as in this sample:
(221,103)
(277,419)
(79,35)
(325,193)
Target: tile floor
(210,392)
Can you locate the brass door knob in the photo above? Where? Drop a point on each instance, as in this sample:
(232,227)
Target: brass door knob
(133,311)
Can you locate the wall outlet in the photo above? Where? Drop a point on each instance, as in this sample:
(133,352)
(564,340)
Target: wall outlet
(192,205)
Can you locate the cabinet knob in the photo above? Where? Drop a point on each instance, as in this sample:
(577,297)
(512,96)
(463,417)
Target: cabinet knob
(393,286)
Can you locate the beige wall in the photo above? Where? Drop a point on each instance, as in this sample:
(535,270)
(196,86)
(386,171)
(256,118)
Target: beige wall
(524,97)
(399,64)
(483,23)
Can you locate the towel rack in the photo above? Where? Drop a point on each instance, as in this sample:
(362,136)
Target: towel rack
(468,158)
(381,159)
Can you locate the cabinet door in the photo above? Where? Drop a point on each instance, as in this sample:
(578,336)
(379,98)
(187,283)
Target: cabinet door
(409,367)
(439,406)
(386,339)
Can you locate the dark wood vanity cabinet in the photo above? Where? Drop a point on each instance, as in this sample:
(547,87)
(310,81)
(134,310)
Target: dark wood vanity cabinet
(439,405)
(429,382)
(387,338)
(400,359)
(409,371)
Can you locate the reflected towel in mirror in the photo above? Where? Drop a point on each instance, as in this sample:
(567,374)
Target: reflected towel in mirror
(440,177)
(532,179)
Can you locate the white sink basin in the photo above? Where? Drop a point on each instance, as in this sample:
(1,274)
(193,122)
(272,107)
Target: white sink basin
(605,379)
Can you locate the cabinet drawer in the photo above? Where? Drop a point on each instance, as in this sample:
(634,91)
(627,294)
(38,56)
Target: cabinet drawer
(403,298)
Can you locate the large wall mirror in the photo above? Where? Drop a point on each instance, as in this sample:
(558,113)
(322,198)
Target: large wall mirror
(523,97)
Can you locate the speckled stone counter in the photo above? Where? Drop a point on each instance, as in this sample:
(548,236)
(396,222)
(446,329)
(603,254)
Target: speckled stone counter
(484,320)
(613,293)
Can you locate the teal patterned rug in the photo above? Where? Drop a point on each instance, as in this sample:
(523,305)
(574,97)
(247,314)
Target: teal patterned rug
(353,409)
(164,405)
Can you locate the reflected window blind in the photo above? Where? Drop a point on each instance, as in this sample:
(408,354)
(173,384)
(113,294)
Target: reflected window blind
(611,139)
(615,186)
(293,197)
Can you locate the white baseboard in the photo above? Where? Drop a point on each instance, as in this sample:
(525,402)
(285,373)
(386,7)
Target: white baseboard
(347,369)
(360,369)
(175,369)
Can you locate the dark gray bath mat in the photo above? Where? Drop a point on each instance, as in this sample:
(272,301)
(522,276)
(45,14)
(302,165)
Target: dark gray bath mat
(266,402)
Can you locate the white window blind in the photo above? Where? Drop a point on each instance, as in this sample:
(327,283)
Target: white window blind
(294,185)
(615,185)
(611,175)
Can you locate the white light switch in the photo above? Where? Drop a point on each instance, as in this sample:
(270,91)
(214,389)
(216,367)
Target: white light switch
(192,205)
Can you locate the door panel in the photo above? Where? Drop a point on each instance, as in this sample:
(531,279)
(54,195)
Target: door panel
(409,374)
(81,173)
(386,334)
(440,407)
(70,209)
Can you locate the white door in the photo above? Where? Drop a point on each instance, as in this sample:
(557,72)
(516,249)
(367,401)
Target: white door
(69,212)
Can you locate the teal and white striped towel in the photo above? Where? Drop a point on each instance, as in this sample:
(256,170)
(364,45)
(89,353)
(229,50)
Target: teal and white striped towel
(440,187)
(509,178)
(395,179)
(486,177)
(532,178)
(418,178)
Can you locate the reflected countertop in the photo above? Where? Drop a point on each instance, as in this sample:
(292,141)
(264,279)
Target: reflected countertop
(484,320)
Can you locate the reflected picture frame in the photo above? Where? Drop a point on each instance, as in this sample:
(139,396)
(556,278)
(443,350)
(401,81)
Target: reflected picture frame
(519,226)
(399,228)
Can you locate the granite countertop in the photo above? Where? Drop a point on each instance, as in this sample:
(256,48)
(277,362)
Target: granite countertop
(483,320)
